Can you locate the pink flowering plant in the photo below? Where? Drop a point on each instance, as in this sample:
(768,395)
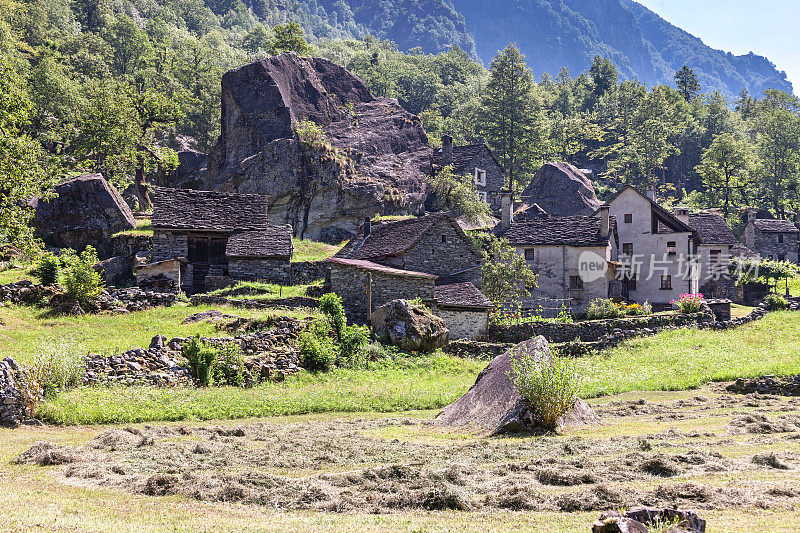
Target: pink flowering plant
(689,303)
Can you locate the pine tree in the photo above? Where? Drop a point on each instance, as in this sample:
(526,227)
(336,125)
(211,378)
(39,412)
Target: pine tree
(687,82)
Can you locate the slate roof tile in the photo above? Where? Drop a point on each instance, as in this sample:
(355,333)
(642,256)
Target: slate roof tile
(775,226)
(712,228)
(375,267)
(187,209)
(273,241)
(461,295)
(463,156)
(558,231)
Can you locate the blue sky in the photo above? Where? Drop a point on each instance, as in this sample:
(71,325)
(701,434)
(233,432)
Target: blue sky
(769,28)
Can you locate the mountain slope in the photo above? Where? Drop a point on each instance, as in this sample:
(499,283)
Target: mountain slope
(569,33)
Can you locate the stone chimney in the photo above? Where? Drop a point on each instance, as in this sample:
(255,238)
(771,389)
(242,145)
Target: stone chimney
(604,212)
(651,192)
(682,214)
(506,210)
(750,214)
(367,227)
(447,150)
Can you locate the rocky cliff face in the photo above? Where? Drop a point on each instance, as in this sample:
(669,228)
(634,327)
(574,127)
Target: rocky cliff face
(374,160)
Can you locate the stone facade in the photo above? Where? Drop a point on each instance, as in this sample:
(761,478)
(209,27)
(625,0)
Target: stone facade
(470,324)
(308,271)
(252,269)
(163,275)
(477,163)
(441,251)
(130,245)
(351,284)
(169,245)
(778,245)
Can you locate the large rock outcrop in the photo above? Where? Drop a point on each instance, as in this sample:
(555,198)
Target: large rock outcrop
(492,405)
(561,189)
(86,211)
(411,328)
(374,160)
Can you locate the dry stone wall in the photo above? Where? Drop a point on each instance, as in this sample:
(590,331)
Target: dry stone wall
(270,270)
(15,390)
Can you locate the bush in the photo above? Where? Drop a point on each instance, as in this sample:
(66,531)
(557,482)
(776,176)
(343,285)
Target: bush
(601,308)
(549,386)
(775,302)
(331,306)
(201,361)
(638,310)
(689,303)
(228,367)
(47,269)
(318,349)
(311,134)
(353,347)
(57,366)
(79,277)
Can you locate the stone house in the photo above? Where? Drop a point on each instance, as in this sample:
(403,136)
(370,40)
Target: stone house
(427,257)
(478,163)
(715,244)
(656,249)
(573,257)
(771,238)
(223,238)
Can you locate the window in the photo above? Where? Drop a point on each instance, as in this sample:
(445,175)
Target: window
(630,282)
(780,238)
(715,256)
(575,283)
(666,283)
(628,218)
(480,177)
(627,248)
(530,254)
(482,196)
(671,248)
(444,238)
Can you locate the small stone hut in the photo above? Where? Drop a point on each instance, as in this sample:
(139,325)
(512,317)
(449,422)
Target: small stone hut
(464,309)
(772,238)
(223,237)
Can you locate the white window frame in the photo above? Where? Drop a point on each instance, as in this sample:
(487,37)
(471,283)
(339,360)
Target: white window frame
(482,196)
(480,177)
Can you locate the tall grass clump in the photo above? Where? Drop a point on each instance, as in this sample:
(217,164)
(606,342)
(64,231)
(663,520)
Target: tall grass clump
(57,365)
(549,384)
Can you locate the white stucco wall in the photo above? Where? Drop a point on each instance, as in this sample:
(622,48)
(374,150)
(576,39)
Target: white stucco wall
(554,265)
(650,251)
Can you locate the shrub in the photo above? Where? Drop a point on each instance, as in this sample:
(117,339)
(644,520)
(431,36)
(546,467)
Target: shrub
(601,308)
(201,361)
(311,134)
(57,366)
(550,386)
(775,302)
(638,310)
(353,347)
(79,277)
(47,269)
(331,306)
(228,368)
(689,303)
(318,349)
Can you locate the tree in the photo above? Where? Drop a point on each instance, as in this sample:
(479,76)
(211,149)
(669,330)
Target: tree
(687,82)
(256,39)
(458,195)
(724,167)
(510,114)
(289,37)
(506,275)
(604,76)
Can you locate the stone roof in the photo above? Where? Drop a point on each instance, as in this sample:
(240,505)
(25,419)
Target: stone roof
(375,267)
(712,228)
(394,238)
(274,241)
(558,231)
(742,251)
(771,225)
(463,156)
(187,209)
(461,295)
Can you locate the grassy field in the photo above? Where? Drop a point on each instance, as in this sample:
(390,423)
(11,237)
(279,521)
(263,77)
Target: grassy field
(306,250)
(143,227)
(16,273)
(721,483)
(260,291)
(24,329)
(673,360)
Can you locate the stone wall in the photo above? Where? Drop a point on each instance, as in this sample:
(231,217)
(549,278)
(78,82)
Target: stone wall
(308,271)
(164,276)
(15,390)
(495,180)
(251,269)
(432,255)
(130,245)
(767,245)
(350,283)
(471,324)
(591,330)
(168,245)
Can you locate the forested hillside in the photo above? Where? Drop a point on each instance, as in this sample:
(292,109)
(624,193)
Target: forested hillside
(569,33)
(115,87)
